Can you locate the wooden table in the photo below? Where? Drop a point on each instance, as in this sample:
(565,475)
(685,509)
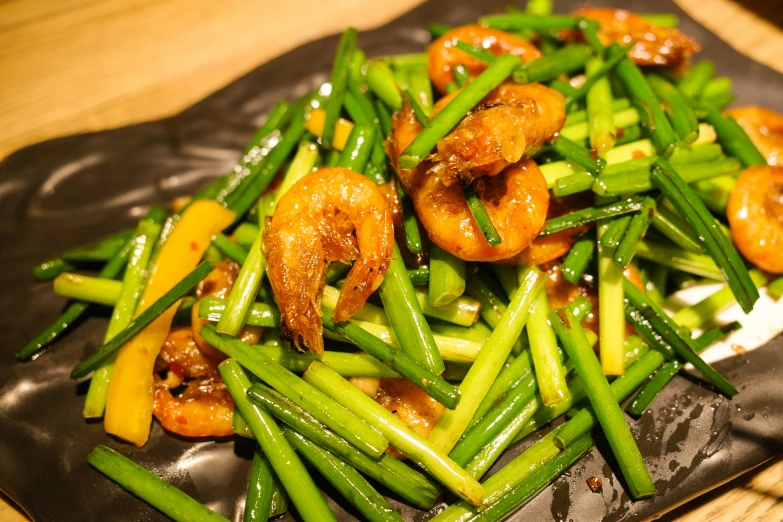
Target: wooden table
(73,66)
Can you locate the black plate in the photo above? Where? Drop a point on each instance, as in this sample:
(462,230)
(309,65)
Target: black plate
(73,190)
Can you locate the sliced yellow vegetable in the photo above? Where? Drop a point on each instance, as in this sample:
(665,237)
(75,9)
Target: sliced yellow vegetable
(130,398)
(315,124)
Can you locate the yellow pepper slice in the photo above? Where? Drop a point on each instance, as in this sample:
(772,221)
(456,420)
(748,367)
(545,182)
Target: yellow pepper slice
(315,124)
(130,398)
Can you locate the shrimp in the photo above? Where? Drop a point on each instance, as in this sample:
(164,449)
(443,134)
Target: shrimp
(204,409)
(548,248)
(443,56)
(516,200)
(764,127)
(511,123)
(219,283)
(183,357)
(406,401)
(653,45)
(755,214)
(314,223)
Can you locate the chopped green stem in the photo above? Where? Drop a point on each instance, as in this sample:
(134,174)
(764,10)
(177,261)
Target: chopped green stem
(622,119)
(652,116)
(610,302)
(101,250)
(289,469)
(678,107)
(386,470)
(578,259)
(713,334)
(636,231)
(525,491)
(489,362)
(74,310)
(422,377)
(451,115)
(158,493)
(481,216)
(615,231)
(614,54)
(478,53)
(589,29)
(653,387)
(419,276)
(679,259)
(406,318)
(410,223)
(520,21)
(579,155)
(668,223)
(707,231)
(50,269)
(133,281)
(420,450)
(260,488)
(232,250)
(380,80)
(693,83)
(461,75)
(358,148)
(602,132)
(86,288)
(261,314)
(340,71)
(245,234)
(592,214)
(667,329)
(345,479)
(573,184)
(300,393)
(574,117)
(717,92)
(566,60)
(550,373)
(495,420)
(447,277)
(734,139)
(170,298)
(609,414)
(775,288)
(701,313)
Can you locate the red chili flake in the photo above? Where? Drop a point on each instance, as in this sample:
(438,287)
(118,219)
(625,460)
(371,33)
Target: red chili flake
(638,154)
(181,419)
(739,349)
(177,368)
(594,483)
(619,132)
(194,246)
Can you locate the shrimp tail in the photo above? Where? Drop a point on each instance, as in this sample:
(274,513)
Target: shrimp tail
(364,278)
(298,273)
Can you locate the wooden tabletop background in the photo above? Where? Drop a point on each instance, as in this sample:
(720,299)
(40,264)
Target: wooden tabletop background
(73,66)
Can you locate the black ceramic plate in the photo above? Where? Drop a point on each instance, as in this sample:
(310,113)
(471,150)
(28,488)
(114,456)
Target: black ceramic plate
(73,190)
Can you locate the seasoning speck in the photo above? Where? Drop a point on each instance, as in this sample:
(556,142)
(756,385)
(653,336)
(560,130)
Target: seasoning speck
(594,483)
(739,349)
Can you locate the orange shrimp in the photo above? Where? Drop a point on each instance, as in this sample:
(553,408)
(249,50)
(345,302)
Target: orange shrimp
(764,127)
(314,224)
(443,55)
(406,401)
(653,45)
(511,123)
(219,283)
(516,200)
(755,213)
(204,409)
(548,248)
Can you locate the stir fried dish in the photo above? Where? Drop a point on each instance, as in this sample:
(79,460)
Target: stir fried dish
(433,256)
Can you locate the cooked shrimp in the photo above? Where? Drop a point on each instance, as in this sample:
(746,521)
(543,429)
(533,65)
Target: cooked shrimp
(406,401)
(443,56)
(765,129)
(204,409)
(389,191)
(511,123)
(653,45)
(219,283)
(755,213)
(516,200)
(548,248)
(314,223)
(183,357)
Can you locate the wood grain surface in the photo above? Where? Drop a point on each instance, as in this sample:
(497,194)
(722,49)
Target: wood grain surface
(72,66)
